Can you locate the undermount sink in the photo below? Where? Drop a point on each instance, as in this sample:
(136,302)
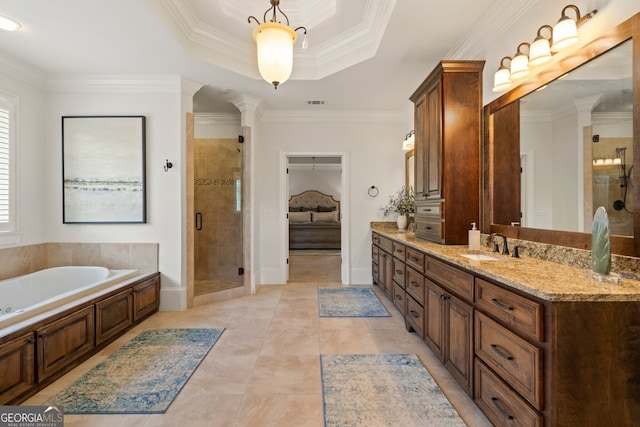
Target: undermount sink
(480,257)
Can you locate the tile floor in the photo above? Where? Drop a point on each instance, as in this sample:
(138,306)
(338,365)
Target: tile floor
(265,368)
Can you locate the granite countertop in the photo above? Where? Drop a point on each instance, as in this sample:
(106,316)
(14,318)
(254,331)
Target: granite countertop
(544,279)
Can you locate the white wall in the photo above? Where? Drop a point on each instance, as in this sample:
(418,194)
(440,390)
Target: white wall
(24,84)
(375,156)
(164,140)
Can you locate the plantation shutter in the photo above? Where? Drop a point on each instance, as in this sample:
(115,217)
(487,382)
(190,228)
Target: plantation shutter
(5,134)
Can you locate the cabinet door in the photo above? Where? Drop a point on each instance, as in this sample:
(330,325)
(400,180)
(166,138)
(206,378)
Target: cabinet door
(433,140)
(17,373)
(146,298)
(388,275)
(420,148)
(459,339)
(113,315)
(434,312)
(64,341)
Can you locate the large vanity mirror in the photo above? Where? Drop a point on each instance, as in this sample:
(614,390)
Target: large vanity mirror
(562,144)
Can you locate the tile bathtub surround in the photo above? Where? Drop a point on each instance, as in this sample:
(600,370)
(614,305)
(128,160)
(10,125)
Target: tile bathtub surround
(20,260)
(265,368)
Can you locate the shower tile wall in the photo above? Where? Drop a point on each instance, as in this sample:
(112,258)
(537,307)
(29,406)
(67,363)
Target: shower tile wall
(218,245)
(607,185)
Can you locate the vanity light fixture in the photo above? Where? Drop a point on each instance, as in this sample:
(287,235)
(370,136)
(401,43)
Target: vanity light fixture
(409,141)
(540,49)
(275,42)
(502,77)
(563,34)
(519,67)
(9,24)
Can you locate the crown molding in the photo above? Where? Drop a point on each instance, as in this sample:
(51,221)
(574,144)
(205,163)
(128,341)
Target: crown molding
(141,83)
(22,71)
(502,14)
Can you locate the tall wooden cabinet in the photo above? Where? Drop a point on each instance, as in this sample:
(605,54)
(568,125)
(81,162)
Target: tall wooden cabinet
(448,117)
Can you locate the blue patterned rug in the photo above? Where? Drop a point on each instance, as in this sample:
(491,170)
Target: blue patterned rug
(382,390)
(142,377)
(350,302)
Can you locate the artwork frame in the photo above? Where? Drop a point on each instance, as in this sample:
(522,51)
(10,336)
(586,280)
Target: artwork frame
(104,170)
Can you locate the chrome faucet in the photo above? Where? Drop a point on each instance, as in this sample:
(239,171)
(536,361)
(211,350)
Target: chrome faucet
(505,248)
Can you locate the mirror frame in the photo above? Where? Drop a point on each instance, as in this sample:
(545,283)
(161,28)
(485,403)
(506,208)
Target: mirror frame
(501,148)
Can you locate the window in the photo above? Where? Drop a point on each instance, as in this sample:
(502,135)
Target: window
(7,173)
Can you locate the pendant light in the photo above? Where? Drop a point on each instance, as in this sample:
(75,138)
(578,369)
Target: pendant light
(275,42)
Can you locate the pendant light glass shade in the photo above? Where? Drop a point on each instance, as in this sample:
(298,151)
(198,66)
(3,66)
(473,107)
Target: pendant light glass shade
(275,51)
(565,33)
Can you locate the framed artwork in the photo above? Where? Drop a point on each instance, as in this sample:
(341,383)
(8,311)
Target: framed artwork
(103,169)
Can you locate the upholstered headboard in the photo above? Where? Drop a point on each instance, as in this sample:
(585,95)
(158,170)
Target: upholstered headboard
(314,201)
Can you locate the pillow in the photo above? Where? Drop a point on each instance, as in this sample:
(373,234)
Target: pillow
(296,209)
(325,216)
(300,216)
(326,208)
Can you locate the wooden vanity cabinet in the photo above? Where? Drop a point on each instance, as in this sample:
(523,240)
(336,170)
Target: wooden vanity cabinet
(146,298)
(17,369)
(447,120)
(529,361)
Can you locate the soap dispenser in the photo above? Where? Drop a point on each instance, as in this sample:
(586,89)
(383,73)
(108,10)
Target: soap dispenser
(474,237)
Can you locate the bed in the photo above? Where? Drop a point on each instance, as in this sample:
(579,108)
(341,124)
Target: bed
(314,221)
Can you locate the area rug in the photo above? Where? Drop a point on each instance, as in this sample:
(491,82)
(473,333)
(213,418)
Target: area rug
(350,302)
(142,377)
(382,390)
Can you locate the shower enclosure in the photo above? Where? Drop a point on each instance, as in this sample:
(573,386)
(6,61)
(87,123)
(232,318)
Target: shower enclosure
(218,240)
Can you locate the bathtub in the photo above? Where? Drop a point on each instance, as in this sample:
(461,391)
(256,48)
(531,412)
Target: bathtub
(25,297)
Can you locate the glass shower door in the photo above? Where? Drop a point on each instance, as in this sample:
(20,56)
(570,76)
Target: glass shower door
(218,222)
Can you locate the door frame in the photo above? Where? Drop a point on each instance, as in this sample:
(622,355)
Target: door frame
(344,210)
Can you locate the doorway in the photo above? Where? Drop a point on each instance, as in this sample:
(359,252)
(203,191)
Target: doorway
(218,236)
(326,174)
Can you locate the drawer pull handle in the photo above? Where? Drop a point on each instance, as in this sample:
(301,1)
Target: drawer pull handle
(399,297)
(501,352)
(398,271)
(501,409)
(441,297)
(501,305)
(414,284)
(414,313)
(427,228)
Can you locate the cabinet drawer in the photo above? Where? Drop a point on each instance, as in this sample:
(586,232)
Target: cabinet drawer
(453,279)
(385,244)
(515,360)
(499,403)
(375,270)
(375,239)
(430,230)
(518,312)
(429,210)
(375,253)
(398,251)
(415,259)
(398,272)
(415,315)
(400,299)
(415,285)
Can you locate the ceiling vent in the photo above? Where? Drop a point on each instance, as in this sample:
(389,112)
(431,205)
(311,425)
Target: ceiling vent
(316,101)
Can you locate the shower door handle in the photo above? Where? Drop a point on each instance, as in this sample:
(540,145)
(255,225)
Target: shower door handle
(198,221)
